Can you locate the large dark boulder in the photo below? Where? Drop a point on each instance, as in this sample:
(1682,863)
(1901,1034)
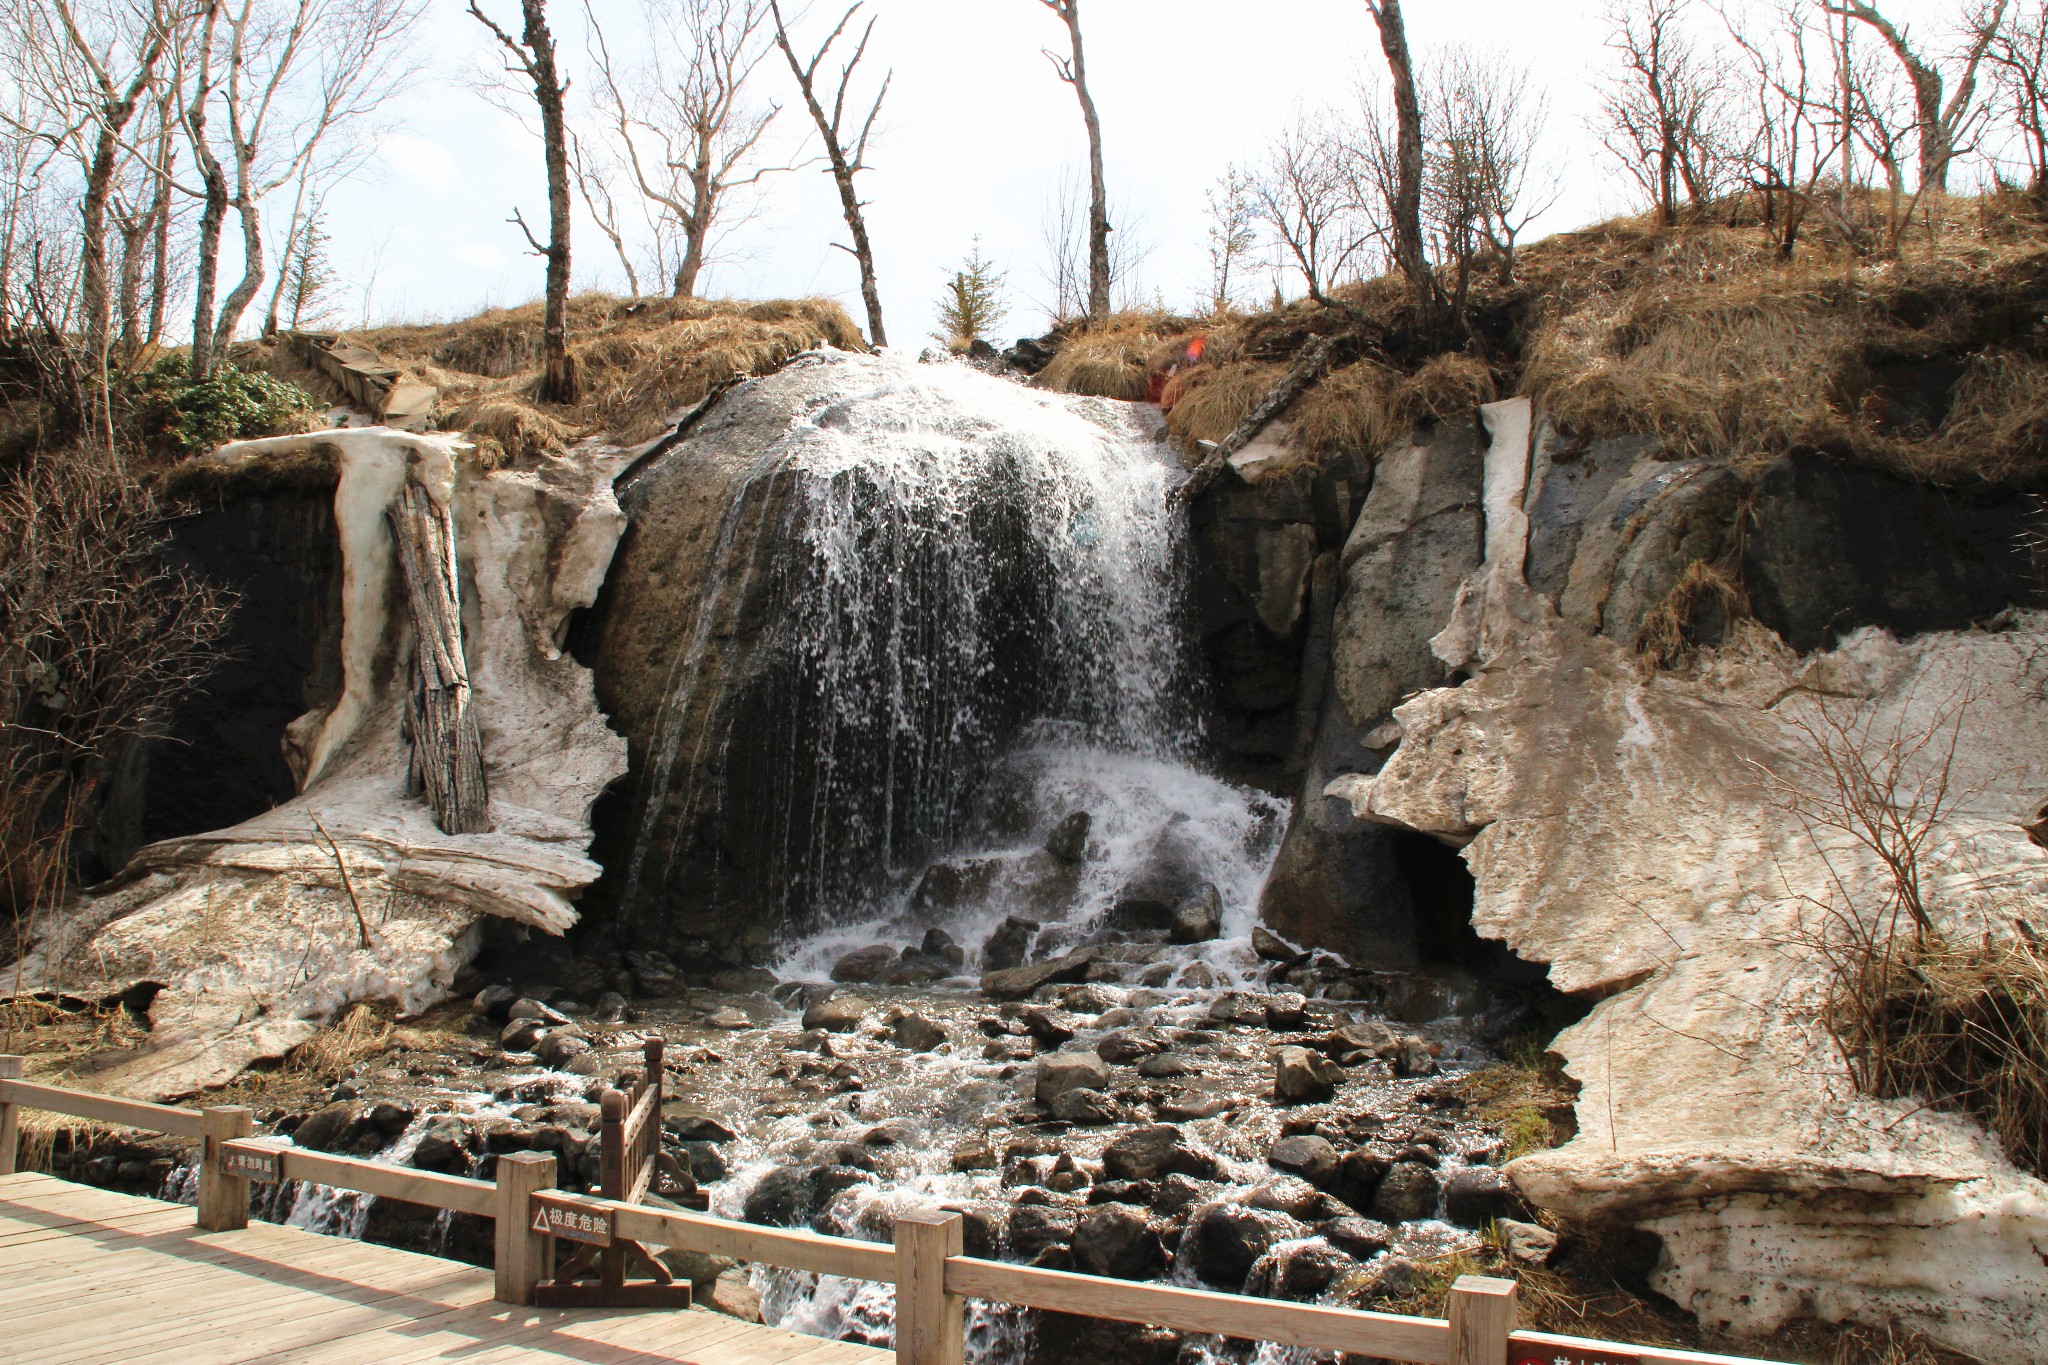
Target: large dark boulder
(1116,1240)
(1224,1240)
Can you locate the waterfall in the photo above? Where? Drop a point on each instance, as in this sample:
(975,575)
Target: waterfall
(952,562)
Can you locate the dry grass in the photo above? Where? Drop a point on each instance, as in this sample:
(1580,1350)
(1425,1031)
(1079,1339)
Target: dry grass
(1115,358)
(1209,399)
(1963,1026)
(1526,1095)
(1698,610)
(641,360)
(361,1032)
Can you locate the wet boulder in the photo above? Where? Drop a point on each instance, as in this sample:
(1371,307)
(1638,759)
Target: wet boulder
(1017,982)
(950,886)
(1477,1195)
(1092,1108)
(520,1035)
(1198,917)
(330,1128)
(1068,841)
(561,1046)
(1363,1238)
(1304,1077)
(835,1014)
(782,1198)
(1407,1194)
(864,965)
(1156,1150)
(1312,1158)
(495,1003)
(1301,1273)
(1225,1240)
(1064,1071)
(443,1147)
(1006,947)
(1040,1234)
(941,946)
(1273,948)
(1116,1240)
(915,1033)
(1129,1045)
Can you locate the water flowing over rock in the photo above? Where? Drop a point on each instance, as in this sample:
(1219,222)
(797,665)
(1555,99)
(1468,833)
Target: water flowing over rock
(350,890)
(1628,827)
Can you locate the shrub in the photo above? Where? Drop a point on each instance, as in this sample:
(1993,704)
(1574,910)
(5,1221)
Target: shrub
(175,415)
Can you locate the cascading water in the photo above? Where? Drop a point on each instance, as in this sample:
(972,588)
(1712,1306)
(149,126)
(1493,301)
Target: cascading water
(950,559)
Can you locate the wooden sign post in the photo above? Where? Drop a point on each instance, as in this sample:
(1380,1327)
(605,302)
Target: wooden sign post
(630,1148)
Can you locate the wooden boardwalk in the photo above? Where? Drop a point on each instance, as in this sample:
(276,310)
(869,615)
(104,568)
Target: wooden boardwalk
(89,1277)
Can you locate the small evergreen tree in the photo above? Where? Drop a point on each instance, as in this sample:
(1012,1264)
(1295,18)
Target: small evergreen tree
(309,277)
(972,302)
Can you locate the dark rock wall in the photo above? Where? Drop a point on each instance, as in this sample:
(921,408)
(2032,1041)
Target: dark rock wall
(222,761)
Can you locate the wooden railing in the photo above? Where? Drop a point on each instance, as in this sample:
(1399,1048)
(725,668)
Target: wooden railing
(927,1265)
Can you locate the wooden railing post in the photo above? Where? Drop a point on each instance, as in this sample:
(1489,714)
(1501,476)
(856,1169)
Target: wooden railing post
(518,1264)
(10,1123)
(223,1198)
(1482,1316)
(930,1323)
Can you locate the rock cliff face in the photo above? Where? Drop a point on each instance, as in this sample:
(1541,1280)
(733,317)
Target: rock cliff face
(254,934)
(1633,829)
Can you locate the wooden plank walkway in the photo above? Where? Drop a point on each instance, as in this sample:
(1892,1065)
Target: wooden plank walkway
(89,1277)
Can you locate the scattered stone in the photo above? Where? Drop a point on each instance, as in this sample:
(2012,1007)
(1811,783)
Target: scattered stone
(330,1128)
(1224,1240)
(1069,838)
(1477,1195)
(389,1117)
(1008,1048)
(915,969)
(1302,1273)
(1017,982)
(1005,948)
(1304,1077)
(1414,1058)
(1177,1193)
(1238,1008)
(729,1018)
(782,1198)
(1286,1011)
(1363,1238)
(702,1160)
(1274,948)
(1312,1158)
(1196,1104)
(1166,1065)
(1359,1175)
(1050,1026)
(864,964)
(610,1008)
(495,1003)
(915,1033)
(942,947)
(1156,1150)
(981,1228)
(529,1008)
(443,1147)
(1139,1192)
(1116,1240)
(688,1123)
(561,1046)
(1128,1045)
(1289,1195)
(1199,916)
(520,1035)
(1091,999)
(1084,1106)
(733,1296)
(744,981)
(1036,1229)
(1063,1071)
(835,1014)
(1407,1194)
(1529,1243)
(974,1158)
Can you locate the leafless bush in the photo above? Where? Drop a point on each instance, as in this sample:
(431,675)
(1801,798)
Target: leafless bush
(1954,1015)
(1662,112)
(99,639)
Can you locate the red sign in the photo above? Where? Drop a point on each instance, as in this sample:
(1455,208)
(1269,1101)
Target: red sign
(575,1222)
(251,1163)
(1521,1354)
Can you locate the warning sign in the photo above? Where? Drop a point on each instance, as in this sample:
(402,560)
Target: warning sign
(1520,1354)
(572,1221)
(251,1163)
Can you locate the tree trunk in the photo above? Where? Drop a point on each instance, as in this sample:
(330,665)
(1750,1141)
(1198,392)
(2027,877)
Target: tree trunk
(558,381)
(212,220)
(447,749)
(1407,205)
(253,271)
(1098,193)
(1309,366)
(92,215)
(160,246)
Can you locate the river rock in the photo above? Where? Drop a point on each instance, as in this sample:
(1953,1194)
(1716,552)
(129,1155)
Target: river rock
(1363,1238)
(1068,841)
(1167,1065)
(1359,1174)
(1156,1150)
(1477,1195)
(941,946)
(330,1128)
(1006,947)
(1312,1158)
(1049,1025)
(495,1003)
(728,1018)
(1084,1106)
(1063,1071)
(1224,1240)
(688,1122)
(835,1014)
(520,1035)
(1529,1243)
(1129,1045)
(561,1046)
(1304,1077)
(389,1117)
(864,965)
(915,1033)
(1286,1012)
(1273,948)
(1115,1240)
(443,1147)
(1301,1273)
(1041,1232)
(733,1295)
(1198,917)
(1292,1196)
(1407,1194)
(1018,982)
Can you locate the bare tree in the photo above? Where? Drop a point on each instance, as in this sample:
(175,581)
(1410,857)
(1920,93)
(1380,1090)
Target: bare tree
(1063,226)
(1482,188)
(690,109)
(2019,71)
(91,66)
(1233,233)
(1660,112)
(1405,202)
(1789,136)
(846,151)
(1944,115)
(1073,69)
(594,173)
(1308,194)
(532,55)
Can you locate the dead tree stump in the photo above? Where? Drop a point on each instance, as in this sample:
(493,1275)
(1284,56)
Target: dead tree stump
(447,751)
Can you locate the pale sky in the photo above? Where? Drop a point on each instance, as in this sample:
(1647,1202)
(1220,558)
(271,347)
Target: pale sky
(975,137)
